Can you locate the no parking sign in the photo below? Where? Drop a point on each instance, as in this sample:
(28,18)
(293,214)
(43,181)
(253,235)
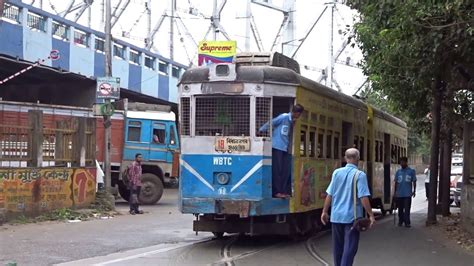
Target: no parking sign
(108,88)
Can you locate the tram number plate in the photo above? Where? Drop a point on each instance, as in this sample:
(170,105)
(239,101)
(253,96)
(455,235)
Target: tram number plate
(232,144)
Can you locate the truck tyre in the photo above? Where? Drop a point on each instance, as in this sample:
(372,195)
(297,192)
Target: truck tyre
(123,191)
(152,189)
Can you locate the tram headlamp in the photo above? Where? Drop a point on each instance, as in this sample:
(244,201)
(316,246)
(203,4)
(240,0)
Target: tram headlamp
(222,178)
(222,70)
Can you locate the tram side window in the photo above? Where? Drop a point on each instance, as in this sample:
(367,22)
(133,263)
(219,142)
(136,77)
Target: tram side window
(376,150)
(356,142)
(398,154)
(381,152)
(303,146)
(336,145)
(312,142)
(393,154)
(329,144)
(320,144)
(362,148)
(134,131)
(369,151)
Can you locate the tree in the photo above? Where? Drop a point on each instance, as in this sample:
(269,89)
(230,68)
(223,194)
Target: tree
(414,52)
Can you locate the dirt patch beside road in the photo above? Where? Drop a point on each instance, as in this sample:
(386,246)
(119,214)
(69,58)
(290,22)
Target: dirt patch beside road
(451,227)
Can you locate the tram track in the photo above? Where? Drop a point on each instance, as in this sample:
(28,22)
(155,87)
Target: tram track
(311,248)
(226,252)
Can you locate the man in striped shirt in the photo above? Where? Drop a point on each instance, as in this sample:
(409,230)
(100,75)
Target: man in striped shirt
(134,176)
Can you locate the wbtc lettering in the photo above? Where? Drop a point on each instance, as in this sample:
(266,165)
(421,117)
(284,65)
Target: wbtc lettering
(222,161)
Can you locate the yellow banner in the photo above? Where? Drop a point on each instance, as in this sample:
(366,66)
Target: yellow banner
(216,52)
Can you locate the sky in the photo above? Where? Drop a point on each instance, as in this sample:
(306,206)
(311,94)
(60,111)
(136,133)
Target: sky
(314,53)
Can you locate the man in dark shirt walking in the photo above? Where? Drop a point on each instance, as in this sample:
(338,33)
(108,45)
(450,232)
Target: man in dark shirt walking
(134,175)
(405,188)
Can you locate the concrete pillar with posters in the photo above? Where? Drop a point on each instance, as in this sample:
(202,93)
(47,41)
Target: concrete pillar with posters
(35,122)
(80,142)
(59,144)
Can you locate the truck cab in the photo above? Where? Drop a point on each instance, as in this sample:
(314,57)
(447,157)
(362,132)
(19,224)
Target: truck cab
(154,135)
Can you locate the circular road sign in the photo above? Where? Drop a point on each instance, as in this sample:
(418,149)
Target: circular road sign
(54,54)
(105,89)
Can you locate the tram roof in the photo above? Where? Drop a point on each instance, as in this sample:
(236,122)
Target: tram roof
(285,76)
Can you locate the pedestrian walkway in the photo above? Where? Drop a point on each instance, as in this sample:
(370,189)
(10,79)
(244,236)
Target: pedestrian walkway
(387,244)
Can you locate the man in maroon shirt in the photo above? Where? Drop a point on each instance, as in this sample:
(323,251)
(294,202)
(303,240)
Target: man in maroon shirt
(134,176)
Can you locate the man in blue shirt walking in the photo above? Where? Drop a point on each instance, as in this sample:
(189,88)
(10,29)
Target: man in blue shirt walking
(281,136)
(405,188)
(341,199)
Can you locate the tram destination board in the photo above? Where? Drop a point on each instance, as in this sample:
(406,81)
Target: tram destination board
(232,144)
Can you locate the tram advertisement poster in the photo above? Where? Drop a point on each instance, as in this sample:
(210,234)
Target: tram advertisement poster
(211,52)
(232,144)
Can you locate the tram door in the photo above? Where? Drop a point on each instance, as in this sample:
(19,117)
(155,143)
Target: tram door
(283,105)
(386,168)
(346,140)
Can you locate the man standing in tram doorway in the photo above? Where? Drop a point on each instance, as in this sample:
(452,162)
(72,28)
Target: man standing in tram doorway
(346,200)
(405,188)
(281,136)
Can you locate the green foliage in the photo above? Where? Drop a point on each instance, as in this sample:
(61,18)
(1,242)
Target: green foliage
(406,45)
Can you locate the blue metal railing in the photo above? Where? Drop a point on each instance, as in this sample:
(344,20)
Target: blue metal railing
(11,12)
(60,30)
(36,21)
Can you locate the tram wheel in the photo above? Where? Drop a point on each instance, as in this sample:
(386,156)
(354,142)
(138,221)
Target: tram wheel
(218,235)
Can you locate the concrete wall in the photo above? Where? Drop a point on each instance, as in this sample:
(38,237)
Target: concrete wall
(467,207)
(173,90)
(467,194)
(82,61)
(32,191)
(36,45)
(149,82)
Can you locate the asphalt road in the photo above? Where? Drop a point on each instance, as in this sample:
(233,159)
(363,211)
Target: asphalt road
(163,236)
(55,242)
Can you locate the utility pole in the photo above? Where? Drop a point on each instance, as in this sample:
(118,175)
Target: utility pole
(108,73)
(148,21)
(173,9)
(248,14)
(215,16)
(331,49)
(102,14)
(289,33)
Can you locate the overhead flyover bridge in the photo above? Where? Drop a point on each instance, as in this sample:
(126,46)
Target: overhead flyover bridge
(29,34)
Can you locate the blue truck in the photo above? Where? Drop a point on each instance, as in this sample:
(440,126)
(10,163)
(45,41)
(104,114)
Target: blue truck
(152,131)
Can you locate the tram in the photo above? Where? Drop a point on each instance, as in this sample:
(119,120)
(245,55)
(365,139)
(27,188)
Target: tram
(226,173)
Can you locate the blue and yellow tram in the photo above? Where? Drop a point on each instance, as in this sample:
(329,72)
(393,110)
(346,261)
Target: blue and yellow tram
(226,173)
